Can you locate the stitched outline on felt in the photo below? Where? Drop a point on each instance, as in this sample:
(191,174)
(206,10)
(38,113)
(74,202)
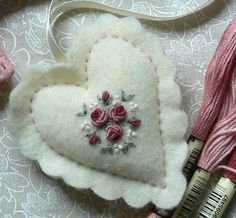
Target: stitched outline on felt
(117,37)
(86,68)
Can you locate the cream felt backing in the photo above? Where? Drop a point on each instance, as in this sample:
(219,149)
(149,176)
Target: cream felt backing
(104,56)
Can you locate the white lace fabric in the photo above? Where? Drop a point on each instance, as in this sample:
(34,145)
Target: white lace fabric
(24,190)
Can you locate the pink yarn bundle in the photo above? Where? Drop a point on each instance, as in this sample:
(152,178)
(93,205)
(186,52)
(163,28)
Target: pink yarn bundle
(218,80)
(216,120)
(221,141)
(230,170)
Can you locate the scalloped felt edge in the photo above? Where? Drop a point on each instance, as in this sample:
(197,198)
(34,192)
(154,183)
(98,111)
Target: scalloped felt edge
(135,193)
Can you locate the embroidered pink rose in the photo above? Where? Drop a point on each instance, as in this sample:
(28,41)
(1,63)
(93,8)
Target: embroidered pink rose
(105,96)
(111,116)
(99,117)
(93,139)
(117,113)
(135,122)
(114,132)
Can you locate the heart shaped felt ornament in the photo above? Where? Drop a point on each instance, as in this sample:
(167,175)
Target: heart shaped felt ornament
(108,119)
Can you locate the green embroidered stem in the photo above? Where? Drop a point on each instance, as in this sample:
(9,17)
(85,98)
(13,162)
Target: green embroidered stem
(108,149)
(84,112)
(127,146)
(105,103)
(124,97)
(90,134)
(99,99)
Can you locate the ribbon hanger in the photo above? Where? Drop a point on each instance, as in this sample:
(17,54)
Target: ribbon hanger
(56,9)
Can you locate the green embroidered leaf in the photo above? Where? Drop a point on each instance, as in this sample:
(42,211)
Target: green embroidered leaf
(125,149)
(109,101)
(132,145)
(88,135)
(110,150)
(124,97)
(99,99)
(84,113)
(104,150)
(133,127)
(105,103)
(108,123)
(129,97)
(99,140)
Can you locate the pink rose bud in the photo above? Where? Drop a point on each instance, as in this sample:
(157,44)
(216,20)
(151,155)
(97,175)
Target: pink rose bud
(117,113)
(105,96)
(114,132)
(6,69)
(135,122)
(93,139)
(99,117)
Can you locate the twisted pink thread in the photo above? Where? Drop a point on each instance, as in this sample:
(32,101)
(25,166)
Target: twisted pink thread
(217,83)
(216,121)
(229,173)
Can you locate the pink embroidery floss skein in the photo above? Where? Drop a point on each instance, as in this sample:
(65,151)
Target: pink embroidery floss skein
(222,142)
(218,77)
(215,120)
(223,192)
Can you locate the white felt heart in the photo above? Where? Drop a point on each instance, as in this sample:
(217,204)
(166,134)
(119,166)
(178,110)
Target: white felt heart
(125,142)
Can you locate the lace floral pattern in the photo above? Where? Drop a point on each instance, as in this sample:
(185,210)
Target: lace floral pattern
(24,190)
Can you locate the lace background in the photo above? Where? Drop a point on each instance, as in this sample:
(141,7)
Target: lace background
(24,190)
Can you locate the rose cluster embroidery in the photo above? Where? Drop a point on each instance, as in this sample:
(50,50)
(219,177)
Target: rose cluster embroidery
(110,115)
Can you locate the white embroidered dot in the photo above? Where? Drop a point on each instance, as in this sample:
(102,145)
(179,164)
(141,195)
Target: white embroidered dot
(82,127)
(117,151)
(87,127)
(134,106)
(129,131)
(120,146)
(91,106)
(116,102)
(116,97)
(115,145)
(131,103)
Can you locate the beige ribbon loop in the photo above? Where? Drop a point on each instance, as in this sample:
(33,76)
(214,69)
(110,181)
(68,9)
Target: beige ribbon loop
(56,9)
